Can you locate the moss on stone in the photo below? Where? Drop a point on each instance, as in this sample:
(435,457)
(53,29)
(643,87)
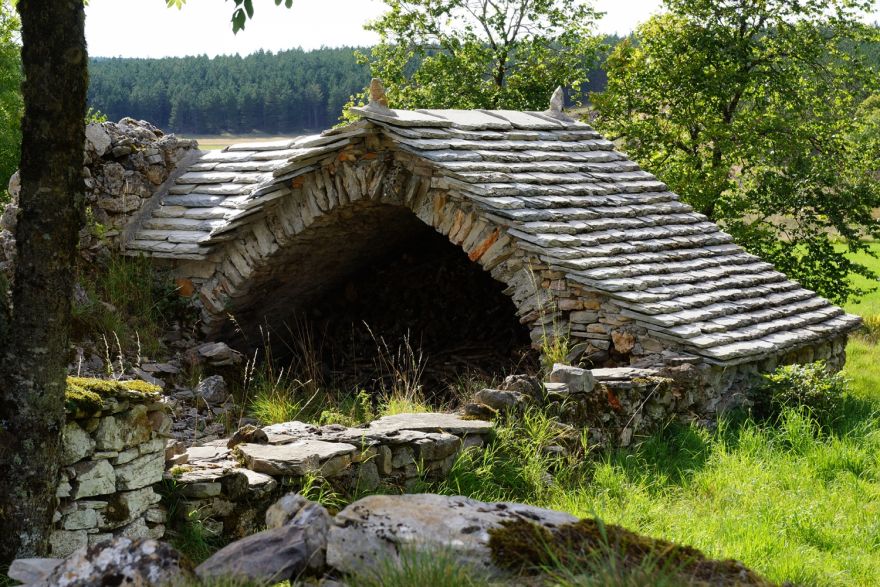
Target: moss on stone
(86,395)
(587,545)
(79,400)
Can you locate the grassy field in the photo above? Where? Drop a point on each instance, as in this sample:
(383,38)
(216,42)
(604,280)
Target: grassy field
(869,305)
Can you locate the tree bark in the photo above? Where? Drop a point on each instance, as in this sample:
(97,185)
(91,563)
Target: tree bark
(35,341)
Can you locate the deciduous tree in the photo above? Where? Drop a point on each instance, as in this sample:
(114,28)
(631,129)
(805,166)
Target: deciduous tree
(482,53)
(750,110)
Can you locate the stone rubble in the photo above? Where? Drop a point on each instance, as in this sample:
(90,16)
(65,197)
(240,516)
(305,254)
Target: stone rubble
(119,561)
(232,488)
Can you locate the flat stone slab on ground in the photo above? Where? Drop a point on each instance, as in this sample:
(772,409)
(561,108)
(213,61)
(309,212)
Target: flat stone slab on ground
(429,422)
(397,429)
(376,528)
(297,458)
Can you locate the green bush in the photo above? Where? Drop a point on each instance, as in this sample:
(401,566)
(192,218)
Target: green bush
(809,387)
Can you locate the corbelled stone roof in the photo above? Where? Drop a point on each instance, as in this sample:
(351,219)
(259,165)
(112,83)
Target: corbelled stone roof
(563,192)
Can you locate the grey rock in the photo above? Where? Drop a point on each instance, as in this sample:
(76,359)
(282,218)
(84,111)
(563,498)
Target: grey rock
(297,458)
(216,354)
(142,471)
(124,430)
(98,138)
(276,554)
(213,390)
(501,400)
(32,570)
(94,478)
(376,528)
(429,422)
(9,220)
(76,444)
(524,384)
(81,519)
(64,542)
(121,561)
(202,490)
(124,507)
(248,433)
(283,510)
(578,380)
(14,186)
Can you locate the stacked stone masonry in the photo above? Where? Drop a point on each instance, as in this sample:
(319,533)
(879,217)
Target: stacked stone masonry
(125,164)
(111,459)
(589,245)
(230,488)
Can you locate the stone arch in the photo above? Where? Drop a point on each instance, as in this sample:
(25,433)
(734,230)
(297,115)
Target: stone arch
(360,186)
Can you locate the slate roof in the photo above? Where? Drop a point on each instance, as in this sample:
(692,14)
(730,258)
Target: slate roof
(564,193)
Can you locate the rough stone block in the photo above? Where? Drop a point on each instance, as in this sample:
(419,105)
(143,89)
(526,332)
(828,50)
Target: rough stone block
(578,380)
(140,472)
(64,542)
(81,519)
(76,444)
(94,478)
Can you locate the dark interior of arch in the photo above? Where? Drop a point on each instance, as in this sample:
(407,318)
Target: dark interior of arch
(370,281)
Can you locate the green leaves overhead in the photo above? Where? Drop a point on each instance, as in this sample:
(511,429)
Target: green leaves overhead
(755,112)
(243,11)
(481,53)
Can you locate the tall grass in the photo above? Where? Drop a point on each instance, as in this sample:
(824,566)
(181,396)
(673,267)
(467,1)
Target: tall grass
(298,390)
(130,300)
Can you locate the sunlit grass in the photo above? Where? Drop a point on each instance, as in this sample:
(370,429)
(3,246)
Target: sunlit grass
(869,304)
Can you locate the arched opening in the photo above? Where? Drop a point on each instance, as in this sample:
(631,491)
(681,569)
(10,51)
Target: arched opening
(368,289)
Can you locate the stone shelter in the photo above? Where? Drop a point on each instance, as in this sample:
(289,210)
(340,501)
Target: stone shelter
(582,241)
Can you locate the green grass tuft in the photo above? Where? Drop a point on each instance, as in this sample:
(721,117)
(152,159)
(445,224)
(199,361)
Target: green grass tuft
(418,567)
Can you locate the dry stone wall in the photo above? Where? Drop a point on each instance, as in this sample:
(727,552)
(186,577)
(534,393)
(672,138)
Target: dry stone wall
(124,165)
(230,488)
(112,456)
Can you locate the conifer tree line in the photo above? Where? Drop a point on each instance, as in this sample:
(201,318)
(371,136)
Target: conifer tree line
(267,92)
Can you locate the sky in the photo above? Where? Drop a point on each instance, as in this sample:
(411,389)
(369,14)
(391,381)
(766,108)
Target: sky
(146,28)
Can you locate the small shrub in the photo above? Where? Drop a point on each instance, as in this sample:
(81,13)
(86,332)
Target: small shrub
(274,406)
(870,328)
(809,387)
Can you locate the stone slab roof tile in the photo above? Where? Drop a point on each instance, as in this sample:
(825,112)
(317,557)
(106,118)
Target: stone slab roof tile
(524,120)
(471,119)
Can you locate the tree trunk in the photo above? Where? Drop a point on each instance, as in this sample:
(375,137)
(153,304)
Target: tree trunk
(35,343)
